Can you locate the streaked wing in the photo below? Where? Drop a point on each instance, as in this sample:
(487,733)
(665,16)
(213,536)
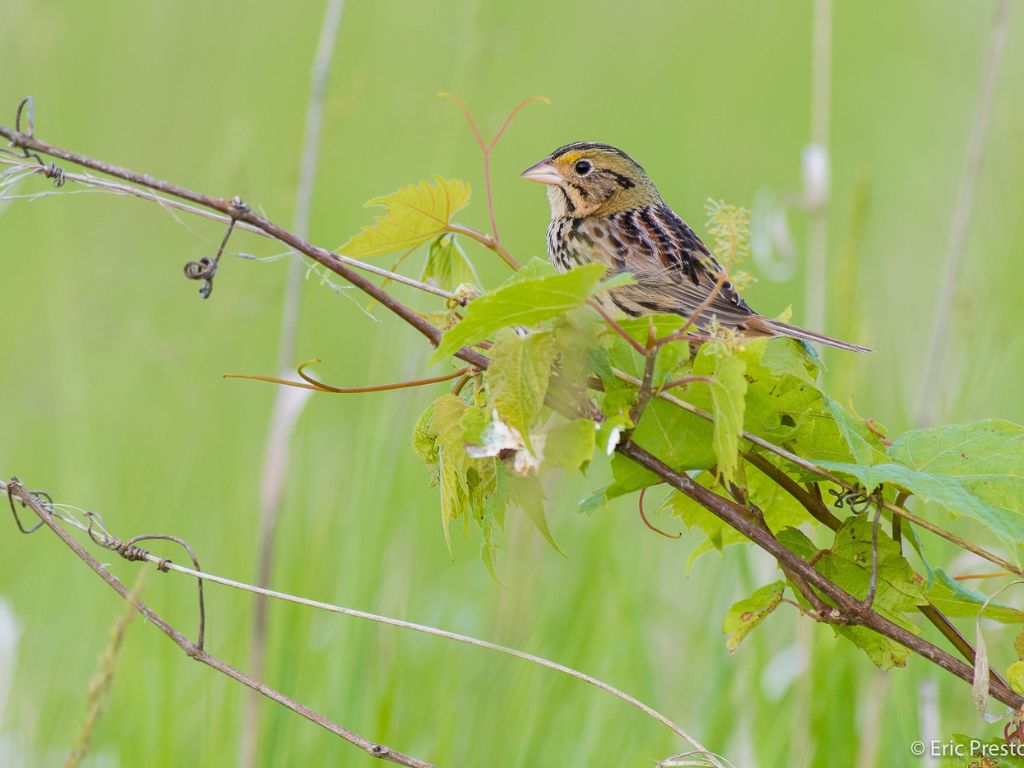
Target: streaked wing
(674,270)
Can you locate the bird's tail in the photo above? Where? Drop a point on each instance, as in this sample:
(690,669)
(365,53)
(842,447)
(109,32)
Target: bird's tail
(779,328)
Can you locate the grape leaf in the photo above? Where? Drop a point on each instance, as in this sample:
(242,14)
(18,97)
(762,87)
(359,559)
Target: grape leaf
(746,614)
(570,445)
(1015,676)
(518,377)
(452,459)
(954,599)
(727,396)
(447,265)
(523,302)
(415,213)
(976,469)
(848,564)
(528,494)
(678,438)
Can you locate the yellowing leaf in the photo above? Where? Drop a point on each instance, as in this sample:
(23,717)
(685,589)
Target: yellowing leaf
(1015,676)
(415,213)
(748,613)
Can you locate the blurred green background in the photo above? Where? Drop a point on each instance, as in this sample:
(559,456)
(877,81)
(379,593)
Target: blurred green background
(111,394)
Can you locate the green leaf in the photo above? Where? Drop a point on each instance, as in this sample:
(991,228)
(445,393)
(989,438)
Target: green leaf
(727,396)
(955,600)
(678,438)
(848,564)
(524,302)
(976,469)
(963,751)
(569,446)
(534,269)
(474,421)
(452,458)
(1015,677)
(595,502)
(528,494)
(780,509)
(447,265)
(415,213)
(518,377)
(749,612)
(424,436)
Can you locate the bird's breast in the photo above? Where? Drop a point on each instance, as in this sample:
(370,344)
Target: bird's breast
(575,241)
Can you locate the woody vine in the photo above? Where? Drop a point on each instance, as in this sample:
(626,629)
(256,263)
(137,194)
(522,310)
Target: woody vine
(748,446)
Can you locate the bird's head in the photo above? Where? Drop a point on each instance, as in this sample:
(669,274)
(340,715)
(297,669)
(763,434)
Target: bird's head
(588,179)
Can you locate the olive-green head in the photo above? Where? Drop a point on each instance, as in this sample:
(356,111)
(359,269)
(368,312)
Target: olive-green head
(590,179)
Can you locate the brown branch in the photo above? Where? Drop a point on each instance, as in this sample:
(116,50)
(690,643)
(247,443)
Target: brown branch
(816,507)
(812,504)
(107,541)
(851,609)
(15,489)
(237,211)
(810,466)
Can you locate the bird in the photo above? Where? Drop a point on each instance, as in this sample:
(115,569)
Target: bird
(606,209)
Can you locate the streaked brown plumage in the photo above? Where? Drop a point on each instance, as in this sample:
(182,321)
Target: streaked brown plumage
(605,208)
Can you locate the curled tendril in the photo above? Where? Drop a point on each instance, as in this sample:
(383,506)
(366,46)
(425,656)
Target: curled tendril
(205,269)
(51,171)
(857,499)
(42,498)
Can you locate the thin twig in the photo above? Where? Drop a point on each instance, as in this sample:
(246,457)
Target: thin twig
(17,492)
(382,751)
(105,185)
(487,149)
(850,608)
(617,328)
(318,386)
(648,523)
(485,240)
(869,598)
(814,468)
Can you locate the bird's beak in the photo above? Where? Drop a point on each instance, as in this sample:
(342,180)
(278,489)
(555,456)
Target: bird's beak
(543,172)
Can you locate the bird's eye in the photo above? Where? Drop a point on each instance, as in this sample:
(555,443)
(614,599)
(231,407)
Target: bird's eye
(583,167)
